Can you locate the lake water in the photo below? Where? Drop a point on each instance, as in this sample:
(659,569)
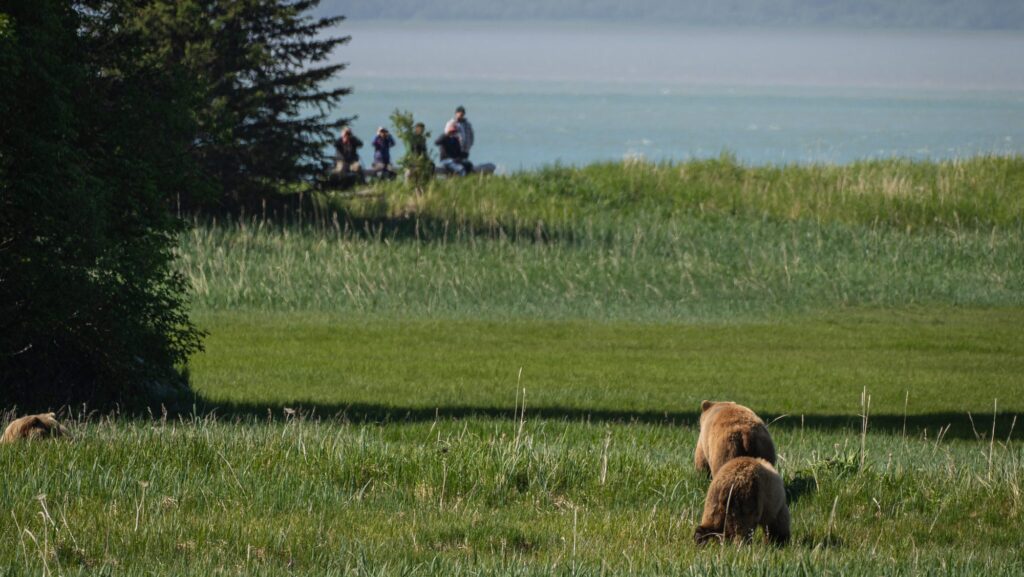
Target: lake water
(541,94)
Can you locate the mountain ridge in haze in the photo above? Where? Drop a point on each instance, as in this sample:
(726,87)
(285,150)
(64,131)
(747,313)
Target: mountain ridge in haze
(925,14)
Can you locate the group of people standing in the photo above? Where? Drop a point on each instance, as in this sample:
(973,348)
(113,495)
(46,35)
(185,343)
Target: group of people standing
(454,146)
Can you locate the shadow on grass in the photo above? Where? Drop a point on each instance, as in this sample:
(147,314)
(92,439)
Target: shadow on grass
(820,542)
(798,486)
(952,425)
(295,213)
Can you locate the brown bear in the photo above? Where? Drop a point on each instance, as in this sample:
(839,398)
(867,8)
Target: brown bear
(746,493)
(727,431)
(33,427)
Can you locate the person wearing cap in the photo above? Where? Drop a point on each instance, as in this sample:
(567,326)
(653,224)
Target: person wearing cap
(347,159)
(453,159)
(382,153)
(465,129)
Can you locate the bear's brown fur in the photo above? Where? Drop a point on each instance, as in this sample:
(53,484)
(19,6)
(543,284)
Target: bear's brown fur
(33,427)
(727,431)
(746,493)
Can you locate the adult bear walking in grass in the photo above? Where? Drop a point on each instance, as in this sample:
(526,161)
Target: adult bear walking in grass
(747,493)
(727,431)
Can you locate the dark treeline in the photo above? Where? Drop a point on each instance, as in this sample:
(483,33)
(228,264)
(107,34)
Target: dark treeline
(115,115)
(940,14)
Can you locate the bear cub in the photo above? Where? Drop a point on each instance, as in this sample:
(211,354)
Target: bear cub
(727,431)
(747,493)
(33,427)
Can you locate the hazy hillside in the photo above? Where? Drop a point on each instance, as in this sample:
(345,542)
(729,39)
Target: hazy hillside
(959,14)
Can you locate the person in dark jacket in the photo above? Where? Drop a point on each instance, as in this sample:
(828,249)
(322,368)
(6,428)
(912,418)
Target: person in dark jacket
(418,145)
(453,159)
(465,133)
(382,153)
(346,162)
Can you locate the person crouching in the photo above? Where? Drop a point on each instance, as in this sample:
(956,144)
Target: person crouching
(347,159)
(453,158)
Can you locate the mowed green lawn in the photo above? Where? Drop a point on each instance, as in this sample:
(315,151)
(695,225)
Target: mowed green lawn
(935,365)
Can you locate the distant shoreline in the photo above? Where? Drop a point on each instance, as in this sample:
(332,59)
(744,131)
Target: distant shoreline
(905,15)
(674,26)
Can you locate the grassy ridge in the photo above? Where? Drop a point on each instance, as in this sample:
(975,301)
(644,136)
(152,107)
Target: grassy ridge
(700,240)
(979,193)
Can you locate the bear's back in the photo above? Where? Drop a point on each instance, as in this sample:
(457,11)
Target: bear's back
(728,431)
(33,427)
(749,485)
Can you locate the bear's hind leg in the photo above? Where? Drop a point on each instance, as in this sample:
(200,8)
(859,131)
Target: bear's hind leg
(777,529)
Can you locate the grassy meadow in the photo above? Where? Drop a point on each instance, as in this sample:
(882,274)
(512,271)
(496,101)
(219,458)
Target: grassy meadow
(360,404)
(493,496)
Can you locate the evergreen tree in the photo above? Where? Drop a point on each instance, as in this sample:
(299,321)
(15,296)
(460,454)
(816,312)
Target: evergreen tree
(262,73)
(92,145)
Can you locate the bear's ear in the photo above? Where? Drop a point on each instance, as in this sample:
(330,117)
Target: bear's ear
(705,405)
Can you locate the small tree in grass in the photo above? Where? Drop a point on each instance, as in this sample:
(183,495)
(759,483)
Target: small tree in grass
(417,162)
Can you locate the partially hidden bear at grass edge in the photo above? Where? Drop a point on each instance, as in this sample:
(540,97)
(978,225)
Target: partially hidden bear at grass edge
(746,494)
(33,427)
(727,431)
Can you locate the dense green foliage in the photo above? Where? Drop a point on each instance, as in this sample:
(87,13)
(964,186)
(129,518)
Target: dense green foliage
(968,14)
(91,307)
(114,112)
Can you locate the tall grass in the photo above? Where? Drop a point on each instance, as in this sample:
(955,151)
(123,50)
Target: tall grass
(703,239)
(685,268)
(978,193)
(201,497)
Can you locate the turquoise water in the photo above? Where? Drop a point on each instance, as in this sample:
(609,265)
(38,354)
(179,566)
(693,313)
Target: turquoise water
(575,94)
